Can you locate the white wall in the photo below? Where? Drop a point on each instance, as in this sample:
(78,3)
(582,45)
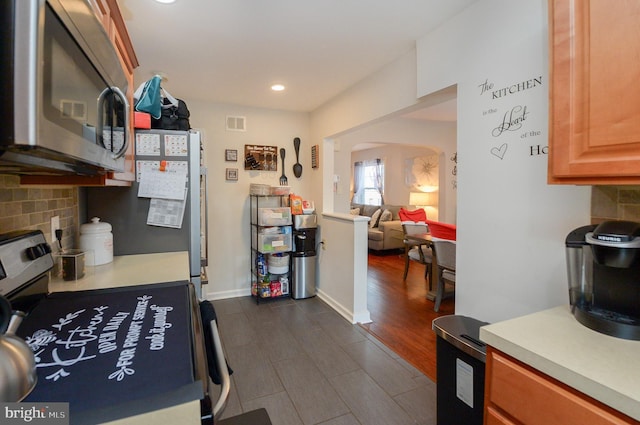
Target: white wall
(345,288)
(391,89)
(229,230)
(511,224)
(386,92)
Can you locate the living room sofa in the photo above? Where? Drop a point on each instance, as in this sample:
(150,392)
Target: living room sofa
(385,228)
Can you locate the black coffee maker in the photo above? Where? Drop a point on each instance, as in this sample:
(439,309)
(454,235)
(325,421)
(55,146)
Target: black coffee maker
(603,266)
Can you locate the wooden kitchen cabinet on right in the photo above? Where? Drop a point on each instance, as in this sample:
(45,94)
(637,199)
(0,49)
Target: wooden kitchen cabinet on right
(594,105)
(516,394)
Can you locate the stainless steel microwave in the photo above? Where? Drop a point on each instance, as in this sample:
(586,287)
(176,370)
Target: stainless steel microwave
(63,108)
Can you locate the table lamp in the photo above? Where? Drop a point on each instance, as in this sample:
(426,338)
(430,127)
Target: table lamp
(423,200)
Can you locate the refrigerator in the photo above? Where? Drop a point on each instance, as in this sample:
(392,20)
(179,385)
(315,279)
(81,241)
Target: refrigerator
(146,217)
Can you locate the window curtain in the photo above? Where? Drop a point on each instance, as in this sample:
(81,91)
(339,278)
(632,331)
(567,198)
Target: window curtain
(379,178)
(358,181)
(368,177)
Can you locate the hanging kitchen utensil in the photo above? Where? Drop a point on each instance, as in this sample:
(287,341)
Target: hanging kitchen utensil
(297,167)
(283,179)
(17,362)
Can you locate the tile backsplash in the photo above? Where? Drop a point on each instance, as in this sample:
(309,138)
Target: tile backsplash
(28,207)
(615,203)
(31,208)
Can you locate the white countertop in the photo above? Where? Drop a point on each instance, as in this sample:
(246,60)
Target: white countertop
(555,343)
(134,270)
(129,270)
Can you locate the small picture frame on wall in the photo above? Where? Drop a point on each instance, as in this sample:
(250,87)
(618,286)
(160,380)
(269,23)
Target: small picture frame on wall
(232,174)
(230,155)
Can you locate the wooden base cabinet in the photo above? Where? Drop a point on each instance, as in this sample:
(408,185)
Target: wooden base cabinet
(594,105)
(516,394)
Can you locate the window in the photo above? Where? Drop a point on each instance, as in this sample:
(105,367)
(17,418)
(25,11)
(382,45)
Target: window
(368,182)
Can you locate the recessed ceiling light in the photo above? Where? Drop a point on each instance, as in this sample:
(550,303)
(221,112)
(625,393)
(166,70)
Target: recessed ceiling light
(277,87)
(166,1)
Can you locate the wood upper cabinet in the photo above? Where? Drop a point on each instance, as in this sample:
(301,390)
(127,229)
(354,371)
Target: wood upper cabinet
(594,108)
(124,48)
(108,13)
(103,11)
(516,394)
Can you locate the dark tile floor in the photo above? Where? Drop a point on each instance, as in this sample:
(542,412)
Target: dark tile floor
(307,365)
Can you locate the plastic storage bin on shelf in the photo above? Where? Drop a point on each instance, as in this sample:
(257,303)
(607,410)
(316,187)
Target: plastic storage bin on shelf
(269,241)
(274,243)
(274,216)
(259,189)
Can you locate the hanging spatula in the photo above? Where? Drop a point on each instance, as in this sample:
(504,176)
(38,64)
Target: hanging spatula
(283,179)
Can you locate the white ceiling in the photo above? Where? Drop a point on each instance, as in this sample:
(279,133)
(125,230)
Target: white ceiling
(231,51)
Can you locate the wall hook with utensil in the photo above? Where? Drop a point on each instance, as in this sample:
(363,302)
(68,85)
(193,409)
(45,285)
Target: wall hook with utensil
(297,167)
(283,178)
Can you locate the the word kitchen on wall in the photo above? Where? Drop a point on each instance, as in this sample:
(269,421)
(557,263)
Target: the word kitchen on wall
(510,117)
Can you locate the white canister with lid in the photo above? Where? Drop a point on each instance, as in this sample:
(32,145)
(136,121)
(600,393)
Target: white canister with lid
(96,240)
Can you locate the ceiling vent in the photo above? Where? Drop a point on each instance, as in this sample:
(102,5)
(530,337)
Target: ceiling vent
(236,123)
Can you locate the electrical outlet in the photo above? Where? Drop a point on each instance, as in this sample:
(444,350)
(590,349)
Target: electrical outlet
(55,225)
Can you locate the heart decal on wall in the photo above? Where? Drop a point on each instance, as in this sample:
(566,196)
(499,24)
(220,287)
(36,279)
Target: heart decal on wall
(499,152)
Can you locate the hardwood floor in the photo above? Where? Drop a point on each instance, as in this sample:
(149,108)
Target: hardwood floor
(400,312)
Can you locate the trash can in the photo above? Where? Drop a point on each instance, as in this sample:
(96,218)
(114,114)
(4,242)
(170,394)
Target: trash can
(460,365)
(303,283)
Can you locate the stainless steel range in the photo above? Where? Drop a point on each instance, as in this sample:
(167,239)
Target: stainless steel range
(111,353)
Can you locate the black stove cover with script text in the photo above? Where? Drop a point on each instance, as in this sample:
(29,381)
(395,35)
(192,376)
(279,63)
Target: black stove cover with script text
(114,352)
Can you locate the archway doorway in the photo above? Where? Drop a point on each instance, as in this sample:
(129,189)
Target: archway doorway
(407,135)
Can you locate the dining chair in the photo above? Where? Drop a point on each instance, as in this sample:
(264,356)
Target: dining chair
(415,250)
(445,254)
(413,222)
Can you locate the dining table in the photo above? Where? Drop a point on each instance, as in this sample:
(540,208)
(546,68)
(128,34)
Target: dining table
(425,238)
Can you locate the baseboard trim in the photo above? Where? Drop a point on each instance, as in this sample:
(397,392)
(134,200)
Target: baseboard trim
(223,295)
(363,317)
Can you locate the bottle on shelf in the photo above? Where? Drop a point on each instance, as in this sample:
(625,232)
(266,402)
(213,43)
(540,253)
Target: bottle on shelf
(262,265)
(264,288)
